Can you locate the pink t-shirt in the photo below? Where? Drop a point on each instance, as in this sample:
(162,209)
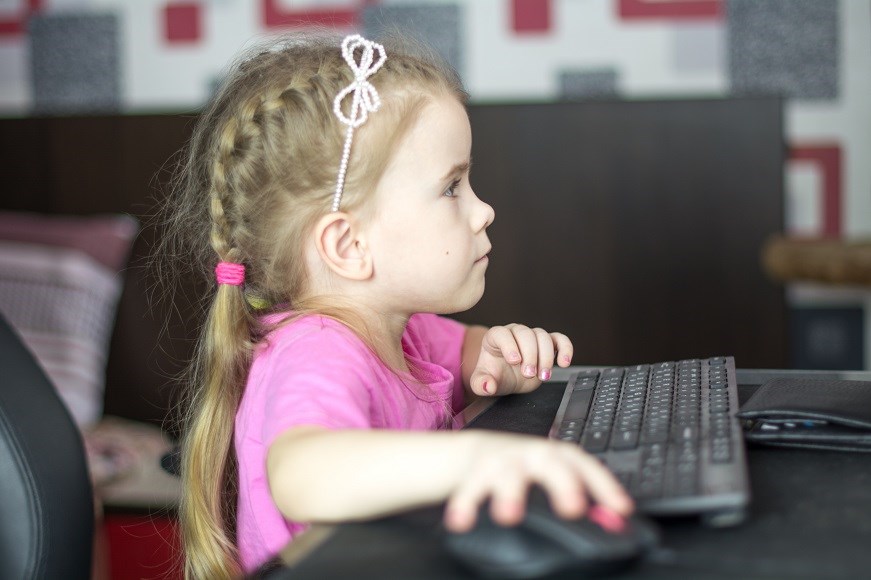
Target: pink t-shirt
(315,371)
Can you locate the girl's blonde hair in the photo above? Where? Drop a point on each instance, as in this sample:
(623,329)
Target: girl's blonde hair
(259,171)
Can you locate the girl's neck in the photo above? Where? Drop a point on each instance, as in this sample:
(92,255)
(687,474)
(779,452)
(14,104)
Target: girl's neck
(381,331)
(385,331)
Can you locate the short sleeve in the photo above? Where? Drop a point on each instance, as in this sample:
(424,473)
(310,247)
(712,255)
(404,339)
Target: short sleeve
(319,379)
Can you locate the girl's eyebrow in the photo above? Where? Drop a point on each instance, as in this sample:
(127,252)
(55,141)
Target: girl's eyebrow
(458,169)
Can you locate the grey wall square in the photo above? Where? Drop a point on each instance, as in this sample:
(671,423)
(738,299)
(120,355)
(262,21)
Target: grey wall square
(587,84)
(827,338)
(438,25)
(75,63)
(786,47)
(699,47)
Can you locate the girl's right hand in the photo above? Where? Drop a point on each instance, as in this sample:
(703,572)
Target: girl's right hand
(505,466)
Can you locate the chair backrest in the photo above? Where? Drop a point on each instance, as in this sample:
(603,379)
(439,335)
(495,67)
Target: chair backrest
(46,498)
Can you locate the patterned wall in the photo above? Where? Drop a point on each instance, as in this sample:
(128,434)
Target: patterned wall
(82,56)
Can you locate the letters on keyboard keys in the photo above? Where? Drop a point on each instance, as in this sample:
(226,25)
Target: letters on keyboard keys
(667,430)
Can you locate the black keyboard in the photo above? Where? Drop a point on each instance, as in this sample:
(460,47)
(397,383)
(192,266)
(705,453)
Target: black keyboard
(668,431)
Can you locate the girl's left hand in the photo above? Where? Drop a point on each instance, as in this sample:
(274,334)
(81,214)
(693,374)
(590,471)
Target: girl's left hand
(516,359)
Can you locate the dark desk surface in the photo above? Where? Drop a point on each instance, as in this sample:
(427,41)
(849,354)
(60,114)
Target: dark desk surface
(810,516)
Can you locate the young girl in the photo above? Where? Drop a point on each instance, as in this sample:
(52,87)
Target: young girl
(329,182)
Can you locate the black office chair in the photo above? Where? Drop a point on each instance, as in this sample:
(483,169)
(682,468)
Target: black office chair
(46,498)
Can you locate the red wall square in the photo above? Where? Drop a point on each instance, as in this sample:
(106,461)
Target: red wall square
(671,9)
(274,16)
(828,158)
(182,22)
(531,15)
(15,25)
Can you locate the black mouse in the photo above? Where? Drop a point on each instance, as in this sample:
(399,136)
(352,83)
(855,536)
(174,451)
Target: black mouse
(544,544)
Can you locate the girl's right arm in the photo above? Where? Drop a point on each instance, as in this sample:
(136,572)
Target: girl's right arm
(321,475)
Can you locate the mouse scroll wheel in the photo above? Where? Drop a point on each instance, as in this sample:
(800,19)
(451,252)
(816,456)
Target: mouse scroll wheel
(608,520)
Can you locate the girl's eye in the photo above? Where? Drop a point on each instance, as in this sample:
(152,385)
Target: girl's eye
(451,190)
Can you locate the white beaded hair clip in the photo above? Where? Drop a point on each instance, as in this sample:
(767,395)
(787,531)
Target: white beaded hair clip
(365,98)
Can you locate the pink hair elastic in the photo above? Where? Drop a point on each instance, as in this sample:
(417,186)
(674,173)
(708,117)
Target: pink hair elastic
(230,273)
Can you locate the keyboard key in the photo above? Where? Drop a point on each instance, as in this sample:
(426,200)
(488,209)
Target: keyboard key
(579,404)
(684,432)
(626,479)
(662,428)
(625,440)
(570,434)
(721,450)
(595,441)
(654,436)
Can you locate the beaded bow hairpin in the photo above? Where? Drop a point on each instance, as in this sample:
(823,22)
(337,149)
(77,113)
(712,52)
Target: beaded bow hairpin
(365,98)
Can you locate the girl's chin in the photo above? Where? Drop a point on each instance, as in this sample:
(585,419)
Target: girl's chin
(473,300)
(462,306)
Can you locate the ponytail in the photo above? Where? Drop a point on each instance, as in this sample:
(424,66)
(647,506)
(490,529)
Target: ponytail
(209,469)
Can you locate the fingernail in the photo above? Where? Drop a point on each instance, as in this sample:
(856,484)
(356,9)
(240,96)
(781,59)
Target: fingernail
(567,359)
(607,519)
(514,357)
(529,370)
(545,374)
(486,387)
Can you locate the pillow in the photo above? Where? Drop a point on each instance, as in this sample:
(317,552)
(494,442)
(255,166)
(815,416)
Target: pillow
(59,287)
(105,238)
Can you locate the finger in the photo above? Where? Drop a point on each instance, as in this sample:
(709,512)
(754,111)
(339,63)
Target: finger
(545,353)
(463,505)
(483,383)
(565,490)
(508,498)
(601,484)
(499,341)
(528,344)
(564,348)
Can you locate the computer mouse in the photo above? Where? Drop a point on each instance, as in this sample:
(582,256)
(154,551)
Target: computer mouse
(544,544)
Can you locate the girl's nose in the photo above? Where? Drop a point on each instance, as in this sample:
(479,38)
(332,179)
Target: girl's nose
(484,215)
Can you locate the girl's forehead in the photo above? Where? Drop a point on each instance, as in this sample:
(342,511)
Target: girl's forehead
(443,124)
(439,140)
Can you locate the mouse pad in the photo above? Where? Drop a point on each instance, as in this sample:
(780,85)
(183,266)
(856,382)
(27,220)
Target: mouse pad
(824,414)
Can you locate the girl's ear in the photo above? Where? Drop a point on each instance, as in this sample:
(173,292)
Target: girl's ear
(340,244)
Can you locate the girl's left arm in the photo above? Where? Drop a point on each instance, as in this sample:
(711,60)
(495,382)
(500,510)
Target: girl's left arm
(511,359)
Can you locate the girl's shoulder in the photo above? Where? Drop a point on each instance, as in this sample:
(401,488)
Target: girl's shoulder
(316,334)
(309,331)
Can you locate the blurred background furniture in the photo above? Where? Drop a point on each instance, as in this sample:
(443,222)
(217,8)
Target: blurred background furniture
(824,260)
(828,285)
(47,512)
